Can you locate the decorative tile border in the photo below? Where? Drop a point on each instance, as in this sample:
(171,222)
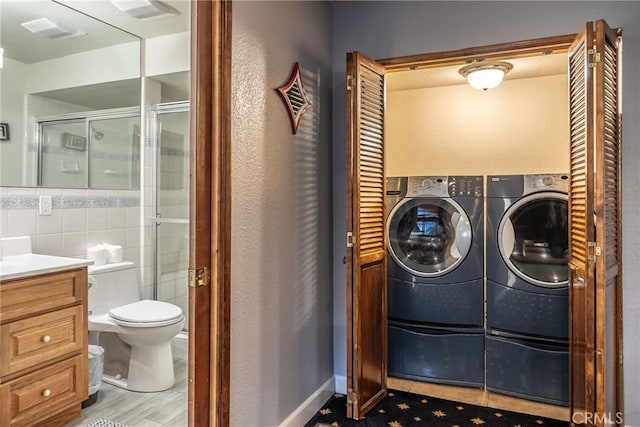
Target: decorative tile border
(69,202)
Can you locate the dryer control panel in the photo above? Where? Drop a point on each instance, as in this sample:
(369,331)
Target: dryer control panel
(469,186)
(546,182)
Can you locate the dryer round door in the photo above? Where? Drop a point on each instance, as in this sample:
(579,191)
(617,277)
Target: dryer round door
(428,237)
(533,239)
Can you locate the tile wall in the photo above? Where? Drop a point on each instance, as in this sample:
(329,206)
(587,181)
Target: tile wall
(79,219)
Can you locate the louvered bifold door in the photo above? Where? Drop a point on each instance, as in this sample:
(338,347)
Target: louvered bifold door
(594,224)
(365,240)
(581,227)
(607,211)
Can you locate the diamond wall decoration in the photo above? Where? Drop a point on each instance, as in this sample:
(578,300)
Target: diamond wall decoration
(294,97)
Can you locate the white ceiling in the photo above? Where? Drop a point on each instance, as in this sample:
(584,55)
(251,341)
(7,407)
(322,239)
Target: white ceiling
(145,29)
(102,22)
(122,93)
(104,26)
(523,68)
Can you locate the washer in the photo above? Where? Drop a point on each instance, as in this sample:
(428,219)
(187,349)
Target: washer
(435,246)
(527,286)
(435,272)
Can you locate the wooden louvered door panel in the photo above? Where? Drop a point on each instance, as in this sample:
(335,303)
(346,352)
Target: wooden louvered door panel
(594,224)
(366,253)
(581,226)
(608,310)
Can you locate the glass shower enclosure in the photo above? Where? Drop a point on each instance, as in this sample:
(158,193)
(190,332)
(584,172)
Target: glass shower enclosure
(170,198)
(94,149)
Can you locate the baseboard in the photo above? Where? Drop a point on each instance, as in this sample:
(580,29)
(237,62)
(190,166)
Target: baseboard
(341,384)
(309,407)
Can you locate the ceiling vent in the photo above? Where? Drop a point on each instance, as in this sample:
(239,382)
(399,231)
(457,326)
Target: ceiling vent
(47,28)
(145,9)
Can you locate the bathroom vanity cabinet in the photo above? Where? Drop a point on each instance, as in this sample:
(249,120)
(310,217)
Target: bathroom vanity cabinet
(43,348)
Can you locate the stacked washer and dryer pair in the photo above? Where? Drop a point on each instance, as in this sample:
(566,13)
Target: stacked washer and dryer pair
(436,280)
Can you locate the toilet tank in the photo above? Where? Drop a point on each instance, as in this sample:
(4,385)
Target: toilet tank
(112,285)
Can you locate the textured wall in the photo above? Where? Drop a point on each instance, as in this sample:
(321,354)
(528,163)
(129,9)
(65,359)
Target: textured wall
(459,130)
(386,29)
(281,212)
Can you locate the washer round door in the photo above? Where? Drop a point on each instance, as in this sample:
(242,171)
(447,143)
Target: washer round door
(428,237)
(533,239)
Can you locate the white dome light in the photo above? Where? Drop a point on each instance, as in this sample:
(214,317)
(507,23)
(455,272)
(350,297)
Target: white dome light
(485,75)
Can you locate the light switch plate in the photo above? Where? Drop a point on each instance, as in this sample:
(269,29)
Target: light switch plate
(45,205)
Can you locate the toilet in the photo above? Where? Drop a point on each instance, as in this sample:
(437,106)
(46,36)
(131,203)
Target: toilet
(136,334)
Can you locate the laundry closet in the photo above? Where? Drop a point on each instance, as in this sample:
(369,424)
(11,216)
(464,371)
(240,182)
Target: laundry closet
(462,309)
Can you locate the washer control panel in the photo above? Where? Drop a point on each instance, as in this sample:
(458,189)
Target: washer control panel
(418,186)
(445,186)
(466,186)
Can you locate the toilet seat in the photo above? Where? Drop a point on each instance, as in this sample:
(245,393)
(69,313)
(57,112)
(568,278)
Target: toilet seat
(146,314)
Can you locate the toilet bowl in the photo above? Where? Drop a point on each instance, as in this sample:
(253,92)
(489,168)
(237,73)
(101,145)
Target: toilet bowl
(146,326)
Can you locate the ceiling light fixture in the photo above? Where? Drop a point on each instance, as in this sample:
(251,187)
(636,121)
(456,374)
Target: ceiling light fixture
(485,75)
(145,9)
(47,28)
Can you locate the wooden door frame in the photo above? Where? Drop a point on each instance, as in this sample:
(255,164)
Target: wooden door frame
(500,51)
(504,51)
(210,214)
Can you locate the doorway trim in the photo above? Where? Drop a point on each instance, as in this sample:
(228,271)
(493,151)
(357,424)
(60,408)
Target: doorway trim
(210,214)
(556,44)
(493,52)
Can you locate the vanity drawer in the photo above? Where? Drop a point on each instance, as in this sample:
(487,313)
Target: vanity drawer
(38,339)
(31,398)
(27,296)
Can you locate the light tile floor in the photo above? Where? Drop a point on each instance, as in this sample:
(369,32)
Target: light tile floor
(163,409)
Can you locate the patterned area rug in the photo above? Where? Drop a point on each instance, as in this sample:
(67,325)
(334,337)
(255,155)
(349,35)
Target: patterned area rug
(402,409)
(103,422)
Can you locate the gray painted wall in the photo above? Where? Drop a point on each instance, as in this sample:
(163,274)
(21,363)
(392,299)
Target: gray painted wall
(387,29)
(282,292)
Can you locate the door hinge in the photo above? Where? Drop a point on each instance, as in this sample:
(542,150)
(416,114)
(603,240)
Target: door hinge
(349,239)
(351,397)
(198,276)
(595,58)
(349,81)
(593,251)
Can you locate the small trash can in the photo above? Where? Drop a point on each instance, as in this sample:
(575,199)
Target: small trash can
(96,366)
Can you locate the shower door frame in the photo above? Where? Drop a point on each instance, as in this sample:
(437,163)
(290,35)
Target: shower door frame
(155,113)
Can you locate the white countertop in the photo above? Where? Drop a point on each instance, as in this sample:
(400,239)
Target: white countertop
(25,265)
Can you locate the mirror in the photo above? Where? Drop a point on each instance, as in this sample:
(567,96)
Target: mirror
(69,99)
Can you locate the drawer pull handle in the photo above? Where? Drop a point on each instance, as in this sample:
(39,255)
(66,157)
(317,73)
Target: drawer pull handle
(46,393)
(46,339)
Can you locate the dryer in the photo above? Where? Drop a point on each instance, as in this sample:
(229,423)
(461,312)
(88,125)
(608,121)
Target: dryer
(527,286)
(527,254)
(435,271)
